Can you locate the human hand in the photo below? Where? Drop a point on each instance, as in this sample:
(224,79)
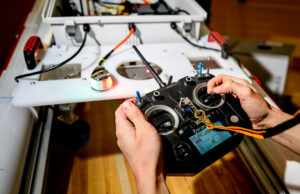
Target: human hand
(261,114)
(142,147)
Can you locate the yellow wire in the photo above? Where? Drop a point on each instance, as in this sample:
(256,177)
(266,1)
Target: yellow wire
(97,72)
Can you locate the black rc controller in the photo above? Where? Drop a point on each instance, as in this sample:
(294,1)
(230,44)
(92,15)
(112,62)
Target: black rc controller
(179,110)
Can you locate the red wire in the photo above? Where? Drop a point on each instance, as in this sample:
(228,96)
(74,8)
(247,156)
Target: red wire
(125,39)
(147,2)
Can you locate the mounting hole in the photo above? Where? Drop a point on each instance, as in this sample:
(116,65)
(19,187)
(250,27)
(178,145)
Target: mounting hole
(156,93)
(188,79)
(136,70)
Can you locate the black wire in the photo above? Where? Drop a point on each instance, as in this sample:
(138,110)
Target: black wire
(174,27)
(235,58)
(181,10)
(56,66)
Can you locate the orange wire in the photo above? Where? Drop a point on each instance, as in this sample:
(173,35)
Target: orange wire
(248,132)
(296,113)
(245,131)
(147,2)
(125,39)
(239,128)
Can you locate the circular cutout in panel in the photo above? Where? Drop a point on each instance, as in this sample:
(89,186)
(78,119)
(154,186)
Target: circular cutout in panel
(136,70)
(163,118)
(205,100)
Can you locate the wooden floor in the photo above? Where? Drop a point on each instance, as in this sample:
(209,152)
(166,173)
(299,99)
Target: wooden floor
(99,166)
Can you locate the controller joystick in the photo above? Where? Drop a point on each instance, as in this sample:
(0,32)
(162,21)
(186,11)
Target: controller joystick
(205,100)
(163,118)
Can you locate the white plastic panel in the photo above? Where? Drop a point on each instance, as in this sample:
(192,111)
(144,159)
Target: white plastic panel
(277,67)
(110,29)
(15,132)
(172,58)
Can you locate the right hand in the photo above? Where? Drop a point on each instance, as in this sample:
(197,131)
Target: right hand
(261,114)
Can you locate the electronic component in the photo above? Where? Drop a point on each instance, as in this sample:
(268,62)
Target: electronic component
(216,37)
(33,51)
(182,111)
(101,79)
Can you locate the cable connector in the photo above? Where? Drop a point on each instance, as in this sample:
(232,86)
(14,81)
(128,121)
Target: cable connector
(132,26)
(86,27)
(174,26)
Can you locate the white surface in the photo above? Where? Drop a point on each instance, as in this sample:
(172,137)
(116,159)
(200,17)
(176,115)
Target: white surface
(15,132)
(277,66)
(292,176)
(172,58)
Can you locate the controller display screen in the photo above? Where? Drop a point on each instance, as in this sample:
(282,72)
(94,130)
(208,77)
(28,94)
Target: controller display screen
(206,139)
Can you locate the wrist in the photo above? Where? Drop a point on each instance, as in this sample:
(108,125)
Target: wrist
(275,117)
(150,181)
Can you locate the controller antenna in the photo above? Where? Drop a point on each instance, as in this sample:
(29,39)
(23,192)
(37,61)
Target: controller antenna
(152,72)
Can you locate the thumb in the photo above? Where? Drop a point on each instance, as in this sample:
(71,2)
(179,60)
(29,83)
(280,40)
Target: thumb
(133,113)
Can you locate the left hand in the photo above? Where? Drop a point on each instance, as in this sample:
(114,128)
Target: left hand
(142,147)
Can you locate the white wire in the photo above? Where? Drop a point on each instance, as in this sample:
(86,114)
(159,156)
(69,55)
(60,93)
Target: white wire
(34,112)
(94,62)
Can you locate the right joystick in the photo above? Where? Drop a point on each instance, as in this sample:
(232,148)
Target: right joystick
(203,99)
